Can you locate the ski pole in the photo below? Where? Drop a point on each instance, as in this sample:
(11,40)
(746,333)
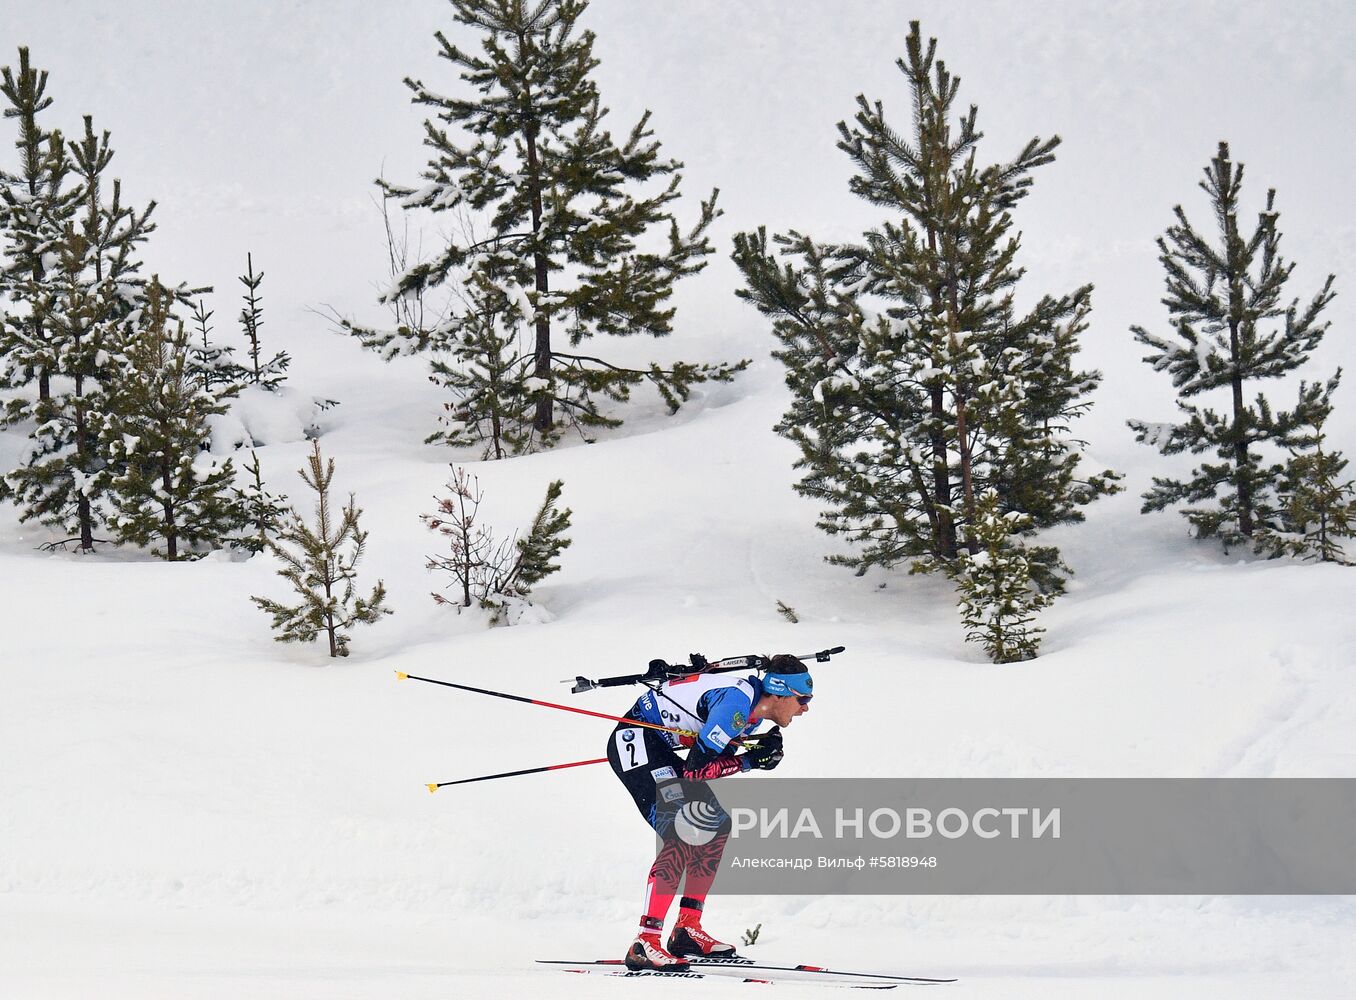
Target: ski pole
(433,787)
(400,675)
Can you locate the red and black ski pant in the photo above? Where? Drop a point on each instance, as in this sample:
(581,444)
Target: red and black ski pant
(691,823)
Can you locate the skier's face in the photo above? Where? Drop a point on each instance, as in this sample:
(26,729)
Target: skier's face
(781,709)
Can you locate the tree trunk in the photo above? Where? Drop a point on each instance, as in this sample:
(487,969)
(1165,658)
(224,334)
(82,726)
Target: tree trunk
(496,416)
(39,281)
(941,479)
(542,370)
(962,438)
(171,536)
(329,615)
(86,524)
(967,487)
(941,475)
(82,459)
(1245,522)
(464,525)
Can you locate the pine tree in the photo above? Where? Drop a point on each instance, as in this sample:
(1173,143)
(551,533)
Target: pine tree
(320,563)
(488,571)
(167,491)
(541,546)
(917,386)
(997,595)
(58,481)
(37,204)
(1321,505)
(565,210)
(95,289)
(271,373)
(490,406)
(212,364)
(263,509)
(1317,506)
(1221,298)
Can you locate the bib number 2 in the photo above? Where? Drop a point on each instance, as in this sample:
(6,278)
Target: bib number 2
(631,749)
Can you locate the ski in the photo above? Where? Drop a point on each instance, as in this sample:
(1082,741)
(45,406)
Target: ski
(798,973)
(600,969)
(748,963)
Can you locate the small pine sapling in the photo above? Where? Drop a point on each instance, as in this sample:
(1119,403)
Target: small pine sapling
(997,596)
(320,564)
(471,544)
(1319,506)
(264,510)
(788,612)
(211,363)
(165,488)
(271,373)
(751,935)
(542,545)
(496,574)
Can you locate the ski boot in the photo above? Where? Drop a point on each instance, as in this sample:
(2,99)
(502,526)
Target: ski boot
(647,953)
(688,940)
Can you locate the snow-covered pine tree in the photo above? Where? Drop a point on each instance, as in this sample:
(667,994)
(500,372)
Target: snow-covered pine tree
(263,509)
(917,386)
(998,598)
(490,572)
(1221,299)
(271,373)
(37,203)
(166,489)
(568,215)
(212,364)
(321,563)
(58,482)
(66,467)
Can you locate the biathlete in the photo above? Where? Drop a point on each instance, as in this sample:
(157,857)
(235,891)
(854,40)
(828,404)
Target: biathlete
(675,797)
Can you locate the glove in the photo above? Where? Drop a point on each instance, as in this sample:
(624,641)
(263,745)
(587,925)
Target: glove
(768,753)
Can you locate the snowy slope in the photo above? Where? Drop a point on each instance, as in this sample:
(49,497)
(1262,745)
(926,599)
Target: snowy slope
(168,766)
(188,809)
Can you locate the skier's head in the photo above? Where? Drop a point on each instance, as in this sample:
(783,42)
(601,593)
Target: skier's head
(787,690)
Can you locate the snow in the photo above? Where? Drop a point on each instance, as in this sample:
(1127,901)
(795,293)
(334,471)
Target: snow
(259,417)
(190,809)
(182,792)
(520,298)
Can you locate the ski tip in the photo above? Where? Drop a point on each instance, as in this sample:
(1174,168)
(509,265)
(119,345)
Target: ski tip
(431,787)
(401,676)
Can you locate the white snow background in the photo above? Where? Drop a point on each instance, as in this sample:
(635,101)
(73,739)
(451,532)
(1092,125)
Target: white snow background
(189,809)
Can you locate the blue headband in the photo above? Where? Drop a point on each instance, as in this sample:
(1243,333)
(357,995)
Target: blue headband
(788,684)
